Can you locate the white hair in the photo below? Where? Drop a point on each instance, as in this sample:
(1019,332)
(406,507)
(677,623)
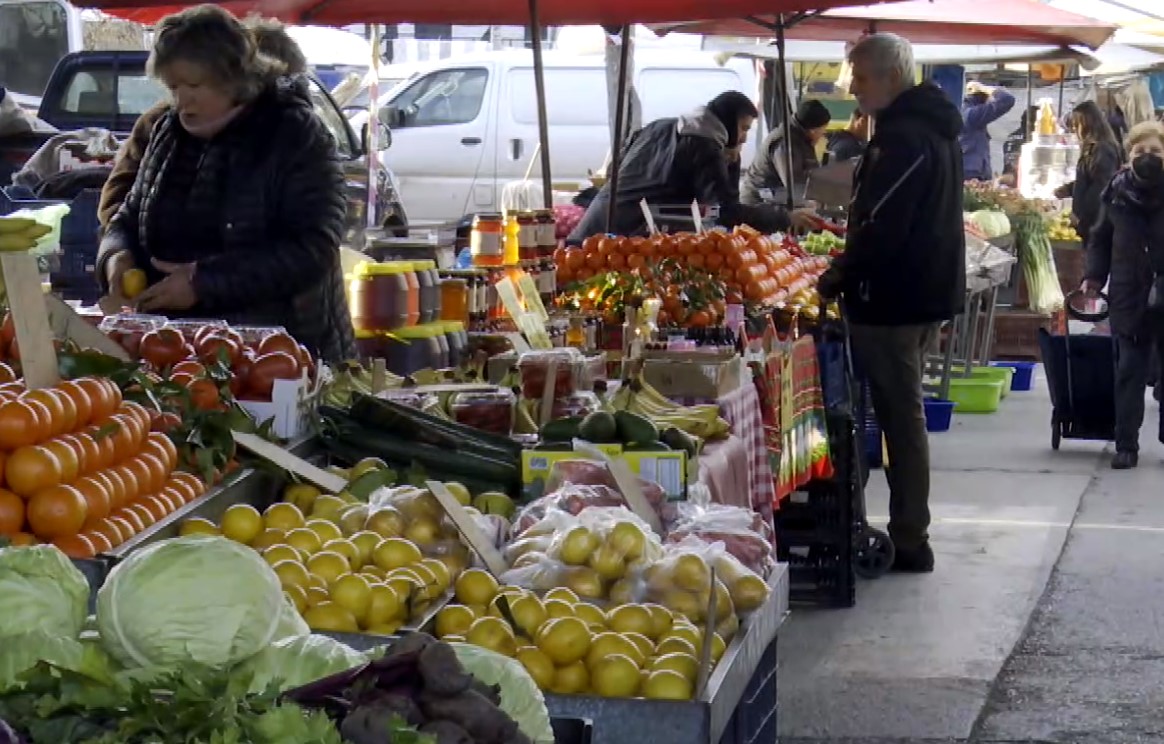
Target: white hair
(886,53)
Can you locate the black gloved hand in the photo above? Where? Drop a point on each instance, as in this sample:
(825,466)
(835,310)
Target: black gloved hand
(829,284)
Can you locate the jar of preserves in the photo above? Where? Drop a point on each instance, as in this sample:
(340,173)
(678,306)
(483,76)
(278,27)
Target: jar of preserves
(381,297)
(458,341)
(512,247)
(527,236)
(411,349)
(454,299)
(547,232)
(370,345)
(487,240)
(491,411)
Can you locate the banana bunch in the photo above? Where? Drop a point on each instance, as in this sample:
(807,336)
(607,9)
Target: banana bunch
(526,416)
(350,379)
(20,234)
(701,421)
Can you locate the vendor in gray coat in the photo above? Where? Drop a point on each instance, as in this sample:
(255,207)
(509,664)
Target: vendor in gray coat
(982,107)
(1126,252)
(764,181)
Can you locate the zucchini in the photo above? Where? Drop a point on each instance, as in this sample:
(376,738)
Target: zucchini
(347,452)
(393,417)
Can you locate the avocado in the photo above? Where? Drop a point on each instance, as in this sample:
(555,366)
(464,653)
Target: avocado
(555,447)
(599,427)
(646,447)
(561,430)
(680,440)
(635,428)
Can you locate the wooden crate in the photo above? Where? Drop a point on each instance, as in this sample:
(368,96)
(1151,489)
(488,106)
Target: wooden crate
(1070,264)
(1016,333)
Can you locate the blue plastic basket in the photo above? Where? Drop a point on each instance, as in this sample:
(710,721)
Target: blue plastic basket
(939,414)
(1024,375)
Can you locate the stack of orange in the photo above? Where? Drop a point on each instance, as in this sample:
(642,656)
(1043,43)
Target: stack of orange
(754,268)
(80,468)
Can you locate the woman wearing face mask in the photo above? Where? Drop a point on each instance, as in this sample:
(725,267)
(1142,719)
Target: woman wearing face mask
(1126,252)
(237,209)
(674,161)
(1099,158)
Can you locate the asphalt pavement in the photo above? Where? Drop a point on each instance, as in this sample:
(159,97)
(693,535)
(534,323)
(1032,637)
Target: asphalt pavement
(1043,621)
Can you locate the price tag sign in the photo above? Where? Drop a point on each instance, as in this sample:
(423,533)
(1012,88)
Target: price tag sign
(478,542)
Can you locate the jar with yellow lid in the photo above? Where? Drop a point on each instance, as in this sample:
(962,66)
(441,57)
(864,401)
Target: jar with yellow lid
(380,297)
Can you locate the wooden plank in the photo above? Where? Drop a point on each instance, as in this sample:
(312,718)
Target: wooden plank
(67,324)
(38,357)
(276,455)
(478,542)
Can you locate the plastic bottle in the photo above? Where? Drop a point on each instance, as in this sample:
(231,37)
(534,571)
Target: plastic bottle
(512,252)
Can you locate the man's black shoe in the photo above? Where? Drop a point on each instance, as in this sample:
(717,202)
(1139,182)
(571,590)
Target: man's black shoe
(1125,461)
(914,560)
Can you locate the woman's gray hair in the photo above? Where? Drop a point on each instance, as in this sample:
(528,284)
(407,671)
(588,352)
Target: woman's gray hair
(886,54)
(216,41)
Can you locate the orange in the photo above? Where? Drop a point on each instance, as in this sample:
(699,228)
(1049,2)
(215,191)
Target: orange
(157,508)
(110,531)
(163,447)
(118,489)
(43,418)
(55,512)
(114,392)
(99,540)
(68,408)
(56,409)
(123,438)
(19,425)
(138,411)
(172,500)
(75,546)
(67,457)
(192,480)
(22,540)
(11,513)
(85,449)
(6,373)
(125,528)
(130,420)
(104,448)
(143,513)
(96,495)
(32,469)
(142,474)
(80,400)
(101,403)
(158,471)
(131,517)
(132,487)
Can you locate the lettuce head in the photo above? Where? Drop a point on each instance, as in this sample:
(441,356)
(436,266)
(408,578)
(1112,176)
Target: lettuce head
(293,662)
(41,590)
(199,599)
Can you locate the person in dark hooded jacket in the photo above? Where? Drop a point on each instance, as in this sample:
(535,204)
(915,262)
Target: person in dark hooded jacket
(237,210)
(763,181)
(1126,252)
(903,270)
(672,162)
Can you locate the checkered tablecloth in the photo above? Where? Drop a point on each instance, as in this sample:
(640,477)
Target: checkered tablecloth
(741,409)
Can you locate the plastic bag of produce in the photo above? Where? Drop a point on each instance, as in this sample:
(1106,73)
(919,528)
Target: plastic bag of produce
(747,589)
(607,539)
(539,573)
(41,590)
(293,662)
(520,697)
(745,534)
(571,498)
(682,580)
(201,600)
(591,473)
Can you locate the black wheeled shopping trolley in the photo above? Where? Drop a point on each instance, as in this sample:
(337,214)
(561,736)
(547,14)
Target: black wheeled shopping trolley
(1081,378)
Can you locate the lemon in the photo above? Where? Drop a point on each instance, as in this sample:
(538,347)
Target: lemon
(494,634)
(591,615)
(718,646)
(558,608)
(316,595)
(571,679)
(681,663)
(454,620)
(645,645)
(354,594)
(375,572)
(283,516)
(605,645)
(346,548)
(324,529)
(675,646)
(565,640)
(133,283)
(328,566)
(395,552)
(317,582)
(529,613)
(298,597)
(668,685)
(268,538)
(301,495)
(562,593)
(384,606)
(277,553)
(242,523)
(330,616)
(689,634)
(385,629)
(327,507)
(629,619)
(661,620)
(615,676)
(459,492)
(439,571)
(539,666)
(198,526)
(365,466)
(365,542)
(304,540)
(291,573)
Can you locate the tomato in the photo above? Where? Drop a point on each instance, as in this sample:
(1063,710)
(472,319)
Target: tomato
(164,422)
(164,347)
(217,347)
(278,365)
(189,367)
(278,342)
(306,361)
(204,394)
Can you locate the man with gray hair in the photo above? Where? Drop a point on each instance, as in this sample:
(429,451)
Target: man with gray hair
(903,270)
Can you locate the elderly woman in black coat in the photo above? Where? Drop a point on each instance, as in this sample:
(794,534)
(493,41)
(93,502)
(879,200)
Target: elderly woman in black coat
(237,210)
(1126,251)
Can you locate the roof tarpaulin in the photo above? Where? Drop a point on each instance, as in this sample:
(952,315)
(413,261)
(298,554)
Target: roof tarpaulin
(922,22)
(475,12)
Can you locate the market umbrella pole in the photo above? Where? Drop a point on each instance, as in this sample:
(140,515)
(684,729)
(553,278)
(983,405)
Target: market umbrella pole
(1030,102)
(785,108)
(540,89)
(619,124)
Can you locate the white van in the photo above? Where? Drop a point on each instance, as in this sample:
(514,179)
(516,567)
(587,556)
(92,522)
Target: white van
(466,126)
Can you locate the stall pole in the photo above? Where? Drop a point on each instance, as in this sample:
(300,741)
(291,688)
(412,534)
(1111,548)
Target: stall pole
(540,90)
(786,107)
(1062,79)
(1030,101)
(619,125)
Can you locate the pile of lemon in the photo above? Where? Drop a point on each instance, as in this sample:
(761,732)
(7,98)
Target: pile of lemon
(570,646)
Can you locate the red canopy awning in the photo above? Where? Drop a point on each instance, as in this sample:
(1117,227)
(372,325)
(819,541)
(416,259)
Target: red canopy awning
(923,22)
(474,12)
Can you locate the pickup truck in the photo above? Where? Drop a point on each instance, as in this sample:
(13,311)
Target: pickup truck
(110,90)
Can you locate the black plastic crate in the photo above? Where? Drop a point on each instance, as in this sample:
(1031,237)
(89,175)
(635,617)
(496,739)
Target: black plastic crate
(820,514)
(77,260)
(820,574)
(80,225)
(754,719)
(573,730)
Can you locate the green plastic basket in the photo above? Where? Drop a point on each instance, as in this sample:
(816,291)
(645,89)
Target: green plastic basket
(1003,374)
(975,395)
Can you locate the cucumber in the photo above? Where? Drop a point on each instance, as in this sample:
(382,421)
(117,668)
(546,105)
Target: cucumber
(401,420)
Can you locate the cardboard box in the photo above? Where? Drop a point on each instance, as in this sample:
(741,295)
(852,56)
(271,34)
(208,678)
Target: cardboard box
(292,407)
(686,374)
(668,469)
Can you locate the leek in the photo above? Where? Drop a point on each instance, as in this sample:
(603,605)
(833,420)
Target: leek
(1038,261)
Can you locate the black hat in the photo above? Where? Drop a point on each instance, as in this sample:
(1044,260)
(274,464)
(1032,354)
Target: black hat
(812,114)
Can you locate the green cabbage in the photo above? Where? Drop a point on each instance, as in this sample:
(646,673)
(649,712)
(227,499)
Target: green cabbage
(199,599)
(992,222)
(20,653)
(293,662)
(520,697)
(41,589)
